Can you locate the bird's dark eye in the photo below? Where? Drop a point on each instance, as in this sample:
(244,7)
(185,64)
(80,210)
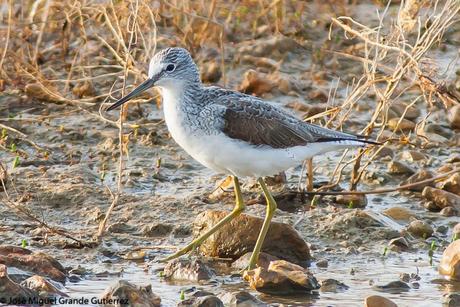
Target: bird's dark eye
(170,67)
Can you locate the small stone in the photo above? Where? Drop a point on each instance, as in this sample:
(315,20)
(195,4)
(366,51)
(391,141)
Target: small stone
(431,206)
(281,278)
(451,184)
(392,287)
(256,83)
(11,290)
(322,263)
(441,198)
(451,300)
(399,244)
(157,230)
(404,277)
(187,269)
(241,299)
(263,261)
(43,287)
(412,156)
(132,294)
(417,177)
(240,235)
(405,125)
(378,301)
(420,229)
(456,230)
(352,201)
(332,285)
(120,227)
(438,129)
(450,261)
(454,117)
(399,213)
(36,262)
(398,109)
(201,301)
(448,211)
(399,168)
(442,229)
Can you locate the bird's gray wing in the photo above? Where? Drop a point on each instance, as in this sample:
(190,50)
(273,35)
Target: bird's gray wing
(252,120)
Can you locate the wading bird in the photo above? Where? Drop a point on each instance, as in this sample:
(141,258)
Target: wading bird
(233,133)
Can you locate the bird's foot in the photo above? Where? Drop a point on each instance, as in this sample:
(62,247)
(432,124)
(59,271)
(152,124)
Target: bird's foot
(190,250)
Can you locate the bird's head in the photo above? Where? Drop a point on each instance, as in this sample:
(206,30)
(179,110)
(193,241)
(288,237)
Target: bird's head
(169,68)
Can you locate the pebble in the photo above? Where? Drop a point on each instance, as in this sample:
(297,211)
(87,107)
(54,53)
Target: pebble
(417,177)
(239,237)
(405,125)
(441,198)
(134,295)
(451,300)
(454,117)
(201,301)
(211,73)
(451,184)
(241,299)
(281,278)
(191,269)
(399,168)
(157,230)
(332,285)
(42,286)
(263,261)
(412,156)
(456,230)
(36,262)
(398,109)
(353,201)
(399,213)
(448,211)
(256,83)
(450,261)
(322,263)
(399,244)
(420,229)
(378,301)
(393,287)
(11,290)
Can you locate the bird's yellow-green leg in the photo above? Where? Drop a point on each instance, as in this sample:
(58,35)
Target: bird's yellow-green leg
(239,207)
(271,207)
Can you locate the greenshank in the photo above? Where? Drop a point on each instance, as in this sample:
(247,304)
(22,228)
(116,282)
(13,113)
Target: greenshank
(233,133)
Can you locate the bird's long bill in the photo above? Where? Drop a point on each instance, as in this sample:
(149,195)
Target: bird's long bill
(136,92)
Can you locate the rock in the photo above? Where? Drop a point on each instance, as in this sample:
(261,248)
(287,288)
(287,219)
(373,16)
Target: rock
(131,294)
(256,83)
(352,201)
(41,286)
(399,168)
(448,211)
(417,177)
(35,262)
(9,290)
(383,152)
(211,73)
(451,184)
(450,261)
(451,300)
(431,206)
(378,301)
(454,117)
(420,229)
(263,261)
(240,235)
(442,198)
(157,230)
(443,131)
(412,156)
(399,244)
(323,263)
(281,278)
(279,43)
(393,287)
(241,299)
(332,285)
(399,213)
(398,109)
(187,269)
(202,301)
(405,125)
(456,230)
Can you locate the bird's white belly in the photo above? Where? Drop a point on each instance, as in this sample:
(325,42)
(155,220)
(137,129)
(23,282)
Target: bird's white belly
(234,157)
